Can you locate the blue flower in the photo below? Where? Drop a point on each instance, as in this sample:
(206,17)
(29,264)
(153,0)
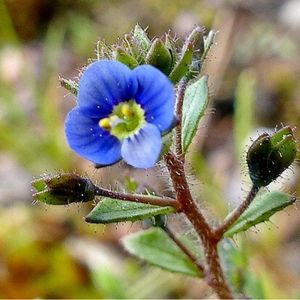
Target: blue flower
(120,114)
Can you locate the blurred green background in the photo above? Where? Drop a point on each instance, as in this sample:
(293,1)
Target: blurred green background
(254,68)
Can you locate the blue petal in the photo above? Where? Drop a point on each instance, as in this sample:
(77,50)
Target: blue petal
(142,149)
(88,140)
(104,84)
(156,96)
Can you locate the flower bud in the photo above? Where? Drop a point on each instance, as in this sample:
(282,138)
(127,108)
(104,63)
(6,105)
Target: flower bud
(196,39)
(159,56)
(270,155)
(63,189)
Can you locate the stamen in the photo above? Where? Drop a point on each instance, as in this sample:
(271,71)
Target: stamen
(114,121)
(127,110)
(105,123)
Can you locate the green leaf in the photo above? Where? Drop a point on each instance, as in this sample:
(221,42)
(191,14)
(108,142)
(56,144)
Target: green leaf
(159,56)
(137,43)
(157,248)
(253,287)
(208,42)
(170,44)
(194,104)
(108,283)
(260,210)
(123,57)
(112,210)
(234,262)
(69,85)
(167,141)
(140,36)
(183,65)
(39,184)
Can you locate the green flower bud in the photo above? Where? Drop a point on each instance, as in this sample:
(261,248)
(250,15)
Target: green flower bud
(159,56)
(122,56)
(196,39)
(63,189)
(270,155)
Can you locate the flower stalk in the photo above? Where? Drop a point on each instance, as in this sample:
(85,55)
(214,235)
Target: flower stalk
(153,200)
(179,103)
(235,214)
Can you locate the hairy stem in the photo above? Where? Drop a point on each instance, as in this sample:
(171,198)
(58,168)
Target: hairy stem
(213,271)
(153,200)
(179,102)
(235,214)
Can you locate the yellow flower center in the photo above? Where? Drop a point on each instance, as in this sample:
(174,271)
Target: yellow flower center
(126,119)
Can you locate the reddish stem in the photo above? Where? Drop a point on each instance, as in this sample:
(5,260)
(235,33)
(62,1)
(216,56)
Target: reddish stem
(213,271)
(153,200)
(235,214)
(185,250)
(179,103)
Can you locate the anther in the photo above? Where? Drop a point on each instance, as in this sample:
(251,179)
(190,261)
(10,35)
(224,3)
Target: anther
(126,110)
(105,123)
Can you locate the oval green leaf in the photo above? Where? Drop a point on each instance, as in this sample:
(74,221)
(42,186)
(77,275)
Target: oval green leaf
(157,248)
(111,210)
(194,104)
(260,210)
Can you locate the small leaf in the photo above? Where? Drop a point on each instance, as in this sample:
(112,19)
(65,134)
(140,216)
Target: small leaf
(38,184)
(69,85)
(208,42)
(137,43)
(112,210)
(183,65)
(123,57)
(157,248)
(140,36)
(103,51)
(134,48)
(260,210)
(234,262)
(130,185)
(159,56)
(194,104)
(167,141)
(170,44)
